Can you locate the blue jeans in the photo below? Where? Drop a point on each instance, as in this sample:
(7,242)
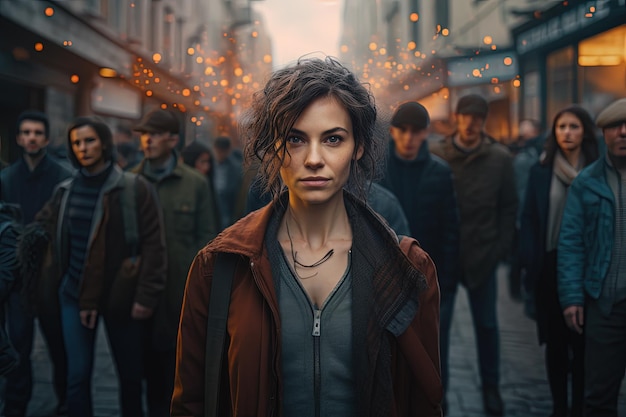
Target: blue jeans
(483,308)
(79,345)
(125,339)
(20,328)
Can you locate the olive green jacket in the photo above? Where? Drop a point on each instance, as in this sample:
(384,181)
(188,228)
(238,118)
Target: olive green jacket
(190,223)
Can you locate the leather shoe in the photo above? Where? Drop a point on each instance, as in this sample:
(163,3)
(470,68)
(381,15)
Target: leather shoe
(492,401)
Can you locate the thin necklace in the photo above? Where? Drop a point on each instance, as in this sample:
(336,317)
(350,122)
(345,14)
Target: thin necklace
(297,263)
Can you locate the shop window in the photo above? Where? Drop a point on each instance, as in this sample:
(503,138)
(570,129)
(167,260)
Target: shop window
(560,81)
(532,96)
(602,69)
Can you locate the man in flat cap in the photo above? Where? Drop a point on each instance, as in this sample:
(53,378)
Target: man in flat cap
(185,199)
(423,184)
(592,264)
(484,180)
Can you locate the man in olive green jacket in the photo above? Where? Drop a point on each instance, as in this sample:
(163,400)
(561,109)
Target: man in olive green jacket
(187,213)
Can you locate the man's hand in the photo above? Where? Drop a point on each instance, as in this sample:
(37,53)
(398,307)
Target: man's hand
(88,318)
(574,318)
(140,312)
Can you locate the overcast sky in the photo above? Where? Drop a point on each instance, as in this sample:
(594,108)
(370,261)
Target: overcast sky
(299,27)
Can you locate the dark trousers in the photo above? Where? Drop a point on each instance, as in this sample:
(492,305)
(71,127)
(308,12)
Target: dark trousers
(159,373)
(605,358)
(50,325)
(19,382)
(564,347)
(446,307)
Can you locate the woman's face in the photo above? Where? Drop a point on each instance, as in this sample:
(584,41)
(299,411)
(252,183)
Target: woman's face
(569,132)
(87,148)
(320,150)
(203,163)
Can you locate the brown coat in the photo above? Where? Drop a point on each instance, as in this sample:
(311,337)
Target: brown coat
(108,247)
(254,375)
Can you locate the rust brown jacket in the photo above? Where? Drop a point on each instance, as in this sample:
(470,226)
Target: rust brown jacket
(107,249)
(251,383)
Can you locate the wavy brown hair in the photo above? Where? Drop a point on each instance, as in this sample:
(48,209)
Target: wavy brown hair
(275,109)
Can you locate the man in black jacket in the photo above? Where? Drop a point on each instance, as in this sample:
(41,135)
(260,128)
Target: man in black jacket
(29,183)
(423,184)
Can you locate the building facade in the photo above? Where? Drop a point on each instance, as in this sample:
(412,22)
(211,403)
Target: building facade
(118,59)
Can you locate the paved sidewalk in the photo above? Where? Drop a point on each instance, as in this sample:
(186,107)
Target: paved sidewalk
(523,382)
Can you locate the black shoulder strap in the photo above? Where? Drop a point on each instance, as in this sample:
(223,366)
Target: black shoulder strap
(129,212)
(223,274)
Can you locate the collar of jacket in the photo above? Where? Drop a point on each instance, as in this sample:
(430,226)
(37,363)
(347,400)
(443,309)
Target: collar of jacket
(176,172)
(452,150)
(422,155)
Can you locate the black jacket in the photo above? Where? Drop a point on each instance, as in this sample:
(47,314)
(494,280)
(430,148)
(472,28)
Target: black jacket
(424,187)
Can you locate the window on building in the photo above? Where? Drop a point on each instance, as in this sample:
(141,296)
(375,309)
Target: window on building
(559,81)
(169,21)
(602,69)
(134,21)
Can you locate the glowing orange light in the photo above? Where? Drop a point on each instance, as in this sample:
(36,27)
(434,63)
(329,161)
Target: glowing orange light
(49,11)
(383,51)
(487,40)
(344,48)
(497,89)
(592,9)
(149,93)
(194,119)
(238,72)
(254,34)
(414,17)
(156,58)
(267,59)
(508,60)
(74,78)
(157,80)
(406,87)
(372,46)
(39,47)
(411,45)
(199,60)
(190,51)
(494,80)
(476,72)
(224,83)
(445,32)
(516,83)
(196,102)
(196,88)
(164,106)
(246,79)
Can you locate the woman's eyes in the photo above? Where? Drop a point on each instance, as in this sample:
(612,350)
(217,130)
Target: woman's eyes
(331,140)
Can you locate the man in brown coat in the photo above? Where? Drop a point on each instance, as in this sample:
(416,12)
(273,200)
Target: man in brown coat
(485,184)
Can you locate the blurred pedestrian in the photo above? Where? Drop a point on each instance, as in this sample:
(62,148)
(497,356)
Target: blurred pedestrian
(315,258)
(227,179)
(97,270)
(570,147)
(485,184)
(184,196)
(423,184)
(526,151)
(29,183)
(592,264)
(198,156)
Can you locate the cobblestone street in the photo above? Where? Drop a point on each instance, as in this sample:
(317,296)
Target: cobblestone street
(523,382)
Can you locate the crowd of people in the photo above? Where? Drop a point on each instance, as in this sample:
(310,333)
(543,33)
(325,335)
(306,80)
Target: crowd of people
(342,276)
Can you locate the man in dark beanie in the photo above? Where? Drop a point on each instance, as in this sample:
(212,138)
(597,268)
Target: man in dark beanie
(484,180)
(592,264)
(423,184)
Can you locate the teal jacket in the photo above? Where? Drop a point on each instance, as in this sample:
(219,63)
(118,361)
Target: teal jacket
(586,238)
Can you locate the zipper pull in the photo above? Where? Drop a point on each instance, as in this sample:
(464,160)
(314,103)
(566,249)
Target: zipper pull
(317,322)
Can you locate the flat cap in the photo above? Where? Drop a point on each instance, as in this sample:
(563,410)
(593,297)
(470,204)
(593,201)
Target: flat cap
(411,113)
(612,114)
(158,121)
(472,104)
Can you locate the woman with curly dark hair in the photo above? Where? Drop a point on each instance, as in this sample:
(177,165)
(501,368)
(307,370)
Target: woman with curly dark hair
(571,145)
(330,313)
